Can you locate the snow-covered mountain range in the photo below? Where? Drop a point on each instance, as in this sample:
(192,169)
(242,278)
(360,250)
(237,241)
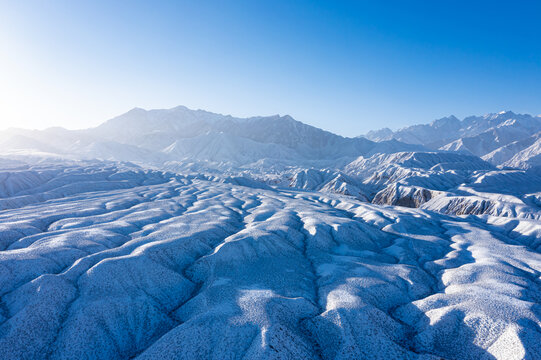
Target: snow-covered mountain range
(434,166)
(182,234)
(179,134)
(505,138)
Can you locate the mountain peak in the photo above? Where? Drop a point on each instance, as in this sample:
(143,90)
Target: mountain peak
(136,110)
(446,122)
(506,112)
(181,107)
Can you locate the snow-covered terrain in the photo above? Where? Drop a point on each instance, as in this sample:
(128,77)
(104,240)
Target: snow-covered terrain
(104,261)
(181,234)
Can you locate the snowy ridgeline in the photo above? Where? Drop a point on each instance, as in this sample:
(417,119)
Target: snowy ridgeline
(108,261)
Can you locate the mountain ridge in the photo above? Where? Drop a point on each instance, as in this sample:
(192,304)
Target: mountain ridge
(158,130)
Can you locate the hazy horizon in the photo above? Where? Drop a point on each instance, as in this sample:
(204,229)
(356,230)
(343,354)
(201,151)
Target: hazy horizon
(256,115)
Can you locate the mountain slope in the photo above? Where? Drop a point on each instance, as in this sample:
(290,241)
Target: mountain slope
(528,157)
(504,153)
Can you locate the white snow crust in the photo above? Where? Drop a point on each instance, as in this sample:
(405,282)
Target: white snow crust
(112,262)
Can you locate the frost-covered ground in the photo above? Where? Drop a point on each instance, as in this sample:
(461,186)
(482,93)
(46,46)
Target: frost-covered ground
(104,261)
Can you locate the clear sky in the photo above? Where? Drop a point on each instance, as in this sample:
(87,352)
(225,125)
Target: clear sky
(344,66)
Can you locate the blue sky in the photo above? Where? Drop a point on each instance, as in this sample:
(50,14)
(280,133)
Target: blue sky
(344,66)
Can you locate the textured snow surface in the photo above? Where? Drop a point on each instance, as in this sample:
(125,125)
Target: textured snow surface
(109,262)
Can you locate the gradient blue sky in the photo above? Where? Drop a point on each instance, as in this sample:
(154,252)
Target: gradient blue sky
(344,66)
